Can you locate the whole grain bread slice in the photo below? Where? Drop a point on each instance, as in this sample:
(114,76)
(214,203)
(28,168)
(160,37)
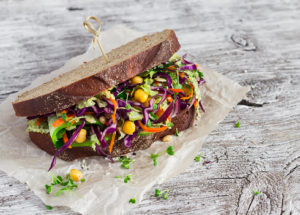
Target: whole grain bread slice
(183,120)
(92,77)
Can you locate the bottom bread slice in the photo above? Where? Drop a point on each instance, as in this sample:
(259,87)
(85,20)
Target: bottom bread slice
(182,121)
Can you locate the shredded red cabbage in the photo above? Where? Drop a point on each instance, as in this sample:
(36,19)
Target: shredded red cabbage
(164,75)
(166,114)
(201,106)
(188,67)
(128,139)
(177,106)
(66,145)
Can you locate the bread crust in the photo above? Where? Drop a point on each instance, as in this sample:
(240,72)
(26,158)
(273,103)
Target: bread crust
(182,121)
(86,88)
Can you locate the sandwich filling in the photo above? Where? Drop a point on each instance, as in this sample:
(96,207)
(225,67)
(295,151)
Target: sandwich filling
(141,106)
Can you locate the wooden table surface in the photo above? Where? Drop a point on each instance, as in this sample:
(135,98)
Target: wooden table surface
(254,42)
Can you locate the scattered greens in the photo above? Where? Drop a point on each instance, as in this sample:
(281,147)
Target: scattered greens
(66,184)
(49,207)
(163,194)
(126,177)
(177,133)
(132,201)
(157,192)
(237,125)
(125,162)
(256,193)
(154,158)
(170,150)
(197,158)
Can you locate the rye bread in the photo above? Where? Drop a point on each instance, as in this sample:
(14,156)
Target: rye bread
(92,77)
(182,121)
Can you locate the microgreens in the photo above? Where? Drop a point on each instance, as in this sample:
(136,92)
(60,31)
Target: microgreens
(132,200)
(154,158)
(128,106)
(256,193)
(66,184)
(163,194)
(49,207)
(126,177)
(198,158)
(125,162)
(177,133)
(148,123)
(154,106)
(170,150)
(153,116)
(237,125)
(170,124)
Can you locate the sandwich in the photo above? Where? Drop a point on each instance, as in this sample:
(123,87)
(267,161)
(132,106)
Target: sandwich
(145,92)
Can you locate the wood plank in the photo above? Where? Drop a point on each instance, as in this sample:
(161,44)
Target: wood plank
(256,43)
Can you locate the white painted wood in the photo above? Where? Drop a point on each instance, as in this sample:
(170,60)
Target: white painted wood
(254,42)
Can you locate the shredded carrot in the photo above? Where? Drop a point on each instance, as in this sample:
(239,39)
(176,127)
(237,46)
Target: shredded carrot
(159,112)
(112,142)
(195,103)
(58,122)
(197,65)
(40,120)
(152,130)
(169,118)
(191,94)
(169,98)
(181,74)
(176,90)
(64,111)
(113,116)
(172,68)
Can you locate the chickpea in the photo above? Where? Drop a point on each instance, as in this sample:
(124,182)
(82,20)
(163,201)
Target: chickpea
(140,96)
(102,119)
(137,80)
(167,138)
(81,136)
(75,174)
(128,127)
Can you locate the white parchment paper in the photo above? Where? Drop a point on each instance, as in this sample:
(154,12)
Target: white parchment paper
(102,193)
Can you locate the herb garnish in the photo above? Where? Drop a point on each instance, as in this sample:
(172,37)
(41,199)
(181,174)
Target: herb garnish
(125,162)
(237,125)
(132,200)
(197,158)
(48,207)
(126,177)
(170,151)
(256,193)
(163,194)
(66,183)
(154,158)
(177,133)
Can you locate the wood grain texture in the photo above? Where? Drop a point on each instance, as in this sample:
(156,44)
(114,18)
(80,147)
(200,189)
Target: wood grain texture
(254,42)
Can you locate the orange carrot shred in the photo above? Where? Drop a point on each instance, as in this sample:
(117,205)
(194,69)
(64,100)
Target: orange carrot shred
(58,122)
(64,111)
(172,68)
(40,120)
(191,94)
(195,103)
(169,118)
(113,116)
(153,130)
(112,142)
(176,90)
(181,74)
(169,98)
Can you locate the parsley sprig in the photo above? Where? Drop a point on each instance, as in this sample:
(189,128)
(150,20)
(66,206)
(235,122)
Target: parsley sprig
(169,151)
(125,162)
(198,158)
(66,184)
(126,177)
(163,194)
